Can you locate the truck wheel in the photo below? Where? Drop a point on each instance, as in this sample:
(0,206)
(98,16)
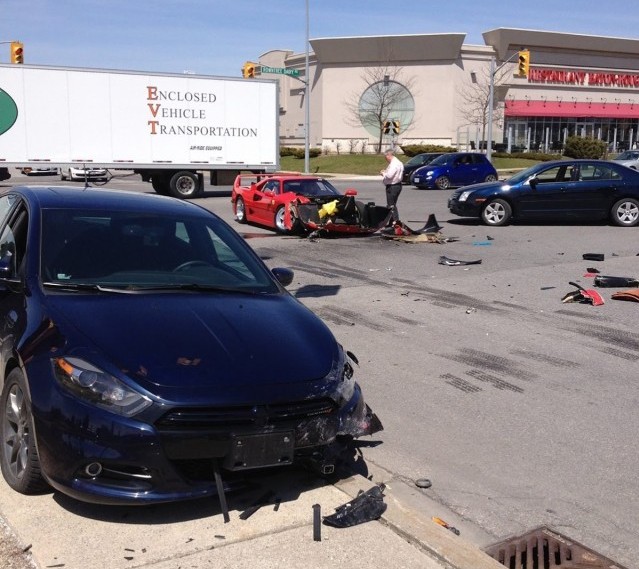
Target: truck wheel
(160,184)
(184,185)
(240,211)
(18,455)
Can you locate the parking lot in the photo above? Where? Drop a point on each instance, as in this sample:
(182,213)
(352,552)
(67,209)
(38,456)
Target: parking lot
(521,409)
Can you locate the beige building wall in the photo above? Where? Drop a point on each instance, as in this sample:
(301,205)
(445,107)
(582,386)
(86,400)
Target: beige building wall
(438,68)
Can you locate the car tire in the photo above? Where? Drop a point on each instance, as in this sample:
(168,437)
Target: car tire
(625,212)
(496,213)
(278,220)
(442,183)
(240,210)
(19,455)
(490,178)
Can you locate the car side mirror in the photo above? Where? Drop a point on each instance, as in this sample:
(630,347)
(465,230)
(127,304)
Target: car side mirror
(7,270)
(283,275)
(533,182)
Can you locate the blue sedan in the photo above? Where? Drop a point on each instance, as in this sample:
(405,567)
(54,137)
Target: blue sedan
(142,344)
(549,191)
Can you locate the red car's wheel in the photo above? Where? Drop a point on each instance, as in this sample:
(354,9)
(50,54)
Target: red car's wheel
(240,211)
(279,220)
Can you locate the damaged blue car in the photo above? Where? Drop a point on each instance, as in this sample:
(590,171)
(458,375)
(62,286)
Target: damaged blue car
(141,352)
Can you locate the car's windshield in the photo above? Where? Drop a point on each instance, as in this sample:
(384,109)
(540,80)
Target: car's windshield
(628,155)
(310,188)
(419,160)
(135,250)
(441,160)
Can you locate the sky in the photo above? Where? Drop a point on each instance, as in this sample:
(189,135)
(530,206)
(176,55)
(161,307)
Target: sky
(216,37)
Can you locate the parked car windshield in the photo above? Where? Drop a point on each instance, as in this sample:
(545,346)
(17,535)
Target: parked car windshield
(442,160)
(131,250)
(628,155)
(310,188)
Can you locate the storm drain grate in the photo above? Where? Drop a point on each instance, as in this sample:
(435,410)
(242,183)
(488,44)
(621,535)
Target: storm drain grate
(543,548)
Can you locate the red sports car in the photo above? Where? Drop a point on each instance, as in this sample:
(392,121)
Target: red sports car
(293,203)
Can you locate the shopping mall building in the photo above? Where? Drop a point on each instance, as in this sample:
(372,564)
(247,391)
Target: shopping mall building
(436,87)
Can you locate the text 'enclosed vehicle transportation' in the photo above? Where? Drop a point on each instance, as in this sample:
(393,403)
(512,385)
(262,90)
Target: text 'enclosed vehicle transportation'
(133,362)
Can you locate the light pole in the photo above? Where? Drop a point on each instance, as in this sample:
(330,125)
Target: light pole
(491,95)
(307,103)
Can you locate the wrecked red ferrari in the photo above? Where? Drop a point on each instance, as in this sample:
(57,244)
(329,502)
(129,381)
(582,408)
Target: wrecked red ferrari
(294,203)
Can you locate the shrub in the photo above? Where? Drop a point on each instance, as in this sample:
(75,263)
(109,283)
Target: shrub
(299,152)
(539,156)
(414,149)
(577,147)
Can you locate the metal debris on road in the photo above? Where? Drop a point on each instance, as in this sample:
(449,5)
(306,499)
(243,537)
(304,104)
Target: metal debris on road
(366,507)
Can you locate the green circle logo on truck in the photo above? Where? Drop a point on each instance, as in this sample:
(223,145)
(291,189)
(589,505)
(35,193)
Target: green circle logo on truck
(8,112)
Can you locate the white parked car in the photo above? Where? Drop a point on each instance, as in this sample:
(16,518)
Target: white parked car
(81,174)
(629,158)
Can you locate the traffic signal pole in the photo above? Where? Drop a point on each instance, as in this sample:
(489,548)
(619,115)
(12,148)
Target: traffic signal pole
(491,94)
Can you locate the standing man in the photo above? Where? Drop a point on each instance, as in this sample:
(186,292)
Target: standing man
(392,179)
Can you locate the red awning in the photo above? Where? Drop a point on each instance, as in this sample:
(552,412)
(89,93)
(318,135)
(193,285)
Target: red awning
(571,109)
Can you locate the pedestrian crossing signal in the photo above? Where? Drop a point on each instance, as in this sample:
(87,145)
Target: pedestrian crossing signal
(524,63)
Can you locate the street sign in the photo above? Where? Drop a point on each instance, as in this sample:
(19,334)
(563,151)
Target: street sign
(280,71)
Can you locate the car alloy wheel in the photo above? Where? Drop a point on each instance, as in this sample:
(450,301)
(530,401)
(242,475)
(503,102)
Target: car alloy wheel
(18,455)
(625,212)
(496,213)
(279,220)
(443,183)
(490,178)
(240,211)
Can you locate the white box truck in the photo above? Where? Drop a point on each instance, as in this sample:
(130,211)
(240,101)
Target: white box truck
(171,129)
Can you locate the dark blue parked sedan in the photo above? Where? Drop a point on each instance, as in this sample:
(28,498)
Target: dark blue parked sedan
(146,350)
(453,170)
(550,191)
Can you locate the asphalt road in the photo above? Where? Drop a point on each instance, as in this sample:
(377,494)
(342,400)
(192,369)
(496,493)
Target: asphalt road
(519,408)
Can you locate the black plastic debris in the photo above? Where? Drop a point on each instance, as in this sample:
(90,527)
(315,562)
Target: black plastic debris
(593,256)
(423,483)
(366,507)
(604,281)
(584,296)
(261,501)
(317,526)
(443,260)
(592,270)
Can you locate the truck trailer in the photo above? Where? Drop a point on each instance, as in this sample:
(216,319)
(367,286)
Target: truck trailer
(174,130)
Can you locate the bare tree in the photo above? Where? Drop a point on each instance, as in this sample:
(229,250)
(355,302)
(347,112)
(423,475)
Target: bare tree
(474,97)
(384,97)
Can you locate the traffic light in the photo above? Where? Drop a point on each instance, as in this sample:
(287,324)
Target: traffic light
(17,52)
(387,127)
(248,70)
(395,127)
(524,63)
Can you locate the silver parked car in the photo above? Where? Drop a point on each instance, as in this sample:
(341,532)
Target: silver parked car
(629,158)
(80,174)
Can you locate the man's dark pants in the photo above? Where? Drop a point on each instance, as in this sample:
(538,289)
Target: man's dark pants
(392,194)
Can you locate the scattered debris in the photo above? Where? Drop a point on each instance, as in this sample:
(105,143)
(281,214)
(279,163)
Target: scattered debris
(446,525)
(430,233)
(490,238)
(592,270)
(443,260)
(631,294)
(481,243)
(615,282)
(583,295)
(423,483)
(593,256)
(471,310)
(367,506)
(547,287)
(317,526)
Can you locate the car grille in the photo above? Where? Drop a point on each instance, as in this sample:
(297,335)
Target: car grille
(226,418)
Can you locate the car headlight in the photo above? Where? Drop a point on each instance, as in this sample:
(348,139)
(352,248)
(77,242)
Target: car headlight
(429,173)
(464,195)
(98,387)
(343,374)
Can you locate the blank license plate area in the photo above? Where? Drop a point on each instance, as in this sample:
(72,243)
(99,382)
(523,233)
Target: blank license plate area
(257,451)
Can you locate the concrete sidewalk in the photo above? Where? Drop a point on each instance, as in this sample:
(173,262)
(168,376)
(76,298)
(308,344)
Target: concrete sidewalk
(61,533)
